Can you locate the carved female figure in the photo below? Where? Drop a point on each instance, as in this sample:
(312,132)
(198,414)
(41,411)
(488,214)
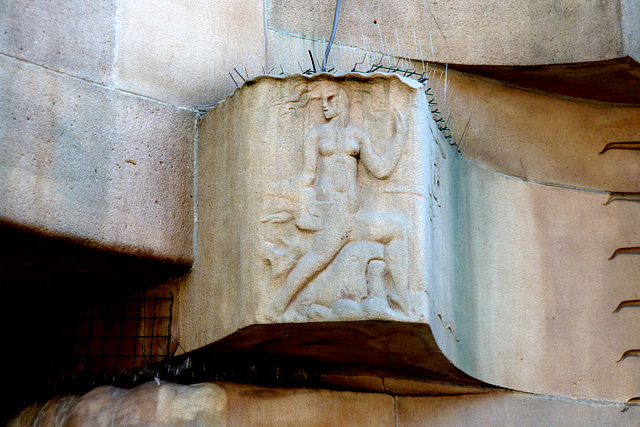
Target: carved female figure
(328,184)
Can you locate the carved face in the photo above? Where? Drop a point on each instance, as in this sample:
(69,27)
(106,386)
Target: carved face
(334,102)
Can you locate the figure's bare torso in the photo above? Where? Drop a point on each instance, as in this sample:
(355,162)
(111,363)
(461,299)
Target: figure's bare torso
(337,166)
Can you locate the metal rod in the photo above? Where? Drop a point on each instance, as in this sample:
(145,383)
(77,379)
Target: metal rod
(169,327)
(153,323)
(90,328)
(124,307)
(104,341)
(629,197)
(632,145)
(128,317)
(135,343)
(239,74)
(628,303)
(312,61)
(111,337)
(234,80)
(635,250)
(333,34)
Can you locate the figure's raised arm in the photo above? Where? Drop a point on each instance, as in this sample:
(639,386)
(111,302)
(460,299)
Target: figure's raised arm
(381,166)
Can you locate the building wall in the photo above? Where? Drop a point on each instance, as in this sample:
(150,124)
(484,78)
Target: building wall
(98,110)
(99,100)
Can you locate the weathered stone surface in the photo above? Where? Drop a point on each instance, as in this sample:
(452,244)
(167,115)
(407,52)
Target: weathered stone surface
(157,404)
(503,33)
(539,47)
(311,202)
(543,138)
(75,37)
(26,416)
(250,405)
(56,411)
(503,409)
(312,197)
(630,19)
(95,165)
(531,286)
(211,404)
(329,353)
(182,52)
(527,282)
(612,81)
(401,386)
(510,266)
(226,404)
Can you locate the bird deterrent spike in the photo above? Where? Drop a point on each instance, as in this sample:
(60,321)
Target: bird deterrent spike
(433,55)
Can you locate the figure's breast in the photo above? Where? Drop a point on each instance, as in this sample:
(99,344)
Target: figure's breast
(351,147)
(329,147)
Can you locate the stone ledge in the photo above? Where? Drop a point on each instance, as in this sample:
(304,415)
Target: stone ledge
(528,277)
(85,162)
(341,353)
(512,409)
(211,404)
(543,138)
(613,81)
(226,404)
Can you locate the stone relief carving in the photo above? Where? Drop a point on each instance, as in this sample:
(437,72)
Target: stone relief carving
(332,259)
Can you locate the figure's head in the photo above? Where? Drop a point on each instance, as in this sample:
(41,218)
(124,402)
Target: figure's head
(334,100)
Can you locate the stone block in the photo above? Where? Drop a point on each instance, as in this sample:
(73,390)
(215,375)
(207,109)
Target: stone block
(402,386)
(212,404)
(543,138)
(312,203)
(500,267)
(529,280)
(504,33)
(583,71)
(630,19)
(512,409)
(312,217)
(94,165)
(182,52)
(251,405)
(75,37)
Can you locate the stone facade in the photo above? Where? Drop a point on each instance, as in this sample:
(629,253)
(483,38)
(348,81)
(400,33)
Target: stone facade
(224,404)
(499,254)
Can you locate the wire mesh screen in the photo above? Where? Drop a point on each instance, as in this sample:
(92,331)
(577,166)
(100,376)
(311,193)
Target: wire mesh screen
(119,336)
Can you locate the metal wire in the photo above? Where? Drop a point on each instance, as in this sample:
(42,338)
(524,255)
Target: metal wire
(333,34)
(117,345)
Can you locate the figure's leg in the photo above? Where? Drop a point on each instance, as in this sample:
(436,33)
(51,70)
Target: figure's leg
(392,231)
(377,304)
(326,245)
(375,279)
